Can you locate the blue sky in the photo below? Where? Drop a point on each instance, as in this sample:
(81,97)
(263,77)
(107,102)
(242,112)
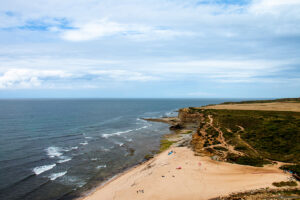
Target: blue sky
(151,48)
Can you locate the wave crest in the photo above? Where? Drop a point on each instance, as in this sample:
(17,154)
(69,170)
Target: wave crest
(116,133)
(42,169)
(53,152)
(54,176)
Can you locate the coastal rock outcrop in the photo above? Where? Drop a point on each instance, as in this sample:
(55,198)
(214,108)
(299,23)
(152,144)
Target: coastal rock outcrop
(189,115)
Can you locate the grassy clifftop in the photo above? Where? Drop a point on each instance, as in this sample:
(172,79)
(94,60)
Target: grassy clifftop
(250,137)
(273,135)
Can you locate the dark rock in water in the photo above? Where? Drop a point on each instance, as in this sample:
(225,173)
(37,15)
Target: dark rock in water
(131,151)
(176,127)
(148,156)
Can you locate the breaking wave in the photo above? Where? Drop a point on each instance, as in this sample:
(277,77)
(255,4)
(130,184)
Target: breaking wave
(53,152)
(42,169)
(116,133)
(54,176)
(71,148)
(100,166)
(84,143)
(64,159)
(107,135)
(141,128)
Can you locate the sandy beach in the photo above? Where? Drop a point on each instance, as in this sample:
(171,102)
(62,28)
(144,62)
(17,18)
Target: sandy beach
(182,175)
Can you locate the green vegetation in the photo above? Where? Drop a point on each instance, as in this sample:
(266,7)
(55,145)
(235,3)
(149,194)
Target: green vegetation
(214,142)
(265,194)
(293,168)
(247,160)
(274,135)
(187,132)
(165,144)
(131,151)
(260,136)
(212,132)
(148,156)
(206,143)
(194,110)
(220,148)
(210,150)
(241,148)
(285,183)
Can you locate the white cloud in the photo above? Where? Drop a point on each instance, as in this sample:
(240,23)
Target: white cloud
(59,79)
(28,72)
(273,6)
(180,40)
(101,28)
(124,75)
(219,67)
(143,20)
(93,30)
(28,78)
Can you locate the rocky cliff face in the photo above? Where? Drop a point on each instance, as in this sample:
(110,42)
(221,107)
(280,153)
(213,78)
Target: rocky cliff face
(188,115)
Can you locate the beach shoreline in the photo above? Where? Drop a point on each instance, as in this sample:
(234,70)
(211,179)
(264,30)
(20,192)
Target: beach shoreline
(166,120)
(179,166)
(146,180)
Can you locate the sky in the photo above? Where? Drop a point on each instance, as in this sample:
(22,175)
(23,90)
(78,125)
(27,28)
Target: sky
(149,48)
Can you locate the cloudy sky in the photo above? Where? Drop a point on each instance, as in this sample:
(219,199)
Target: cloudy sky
(150,48)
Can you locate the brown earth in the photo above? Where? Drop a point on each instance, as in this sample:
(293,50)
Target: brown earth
(276,106)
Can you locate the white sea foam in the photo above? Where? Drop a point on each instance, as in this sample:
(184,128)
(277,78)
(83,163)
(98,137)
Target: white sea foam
(141,128)
(100,166)
(84,143)
(88,137)
(64,159)
(71,148)
(57,175)
(42,169)
(53,152)
(119,143)
(73,180)
(104,149)
(116,133)
(129,140)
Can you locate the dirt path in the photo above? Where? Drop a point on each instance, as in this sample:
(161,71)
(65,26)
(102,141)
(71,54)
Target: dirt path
(222,140)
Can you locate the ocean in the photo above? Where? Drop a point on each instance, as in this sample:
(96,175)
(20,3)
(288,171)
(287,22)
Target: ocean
(61,148)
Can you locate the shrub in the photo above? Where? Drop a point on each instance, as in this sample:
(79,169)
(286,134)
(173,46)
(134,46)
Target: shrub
(220,148)
(247,160)
(210,150)
(187,132)
(285,183)
(293,168)
(148,156)
(216,142)
(240,148)
(165,144)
